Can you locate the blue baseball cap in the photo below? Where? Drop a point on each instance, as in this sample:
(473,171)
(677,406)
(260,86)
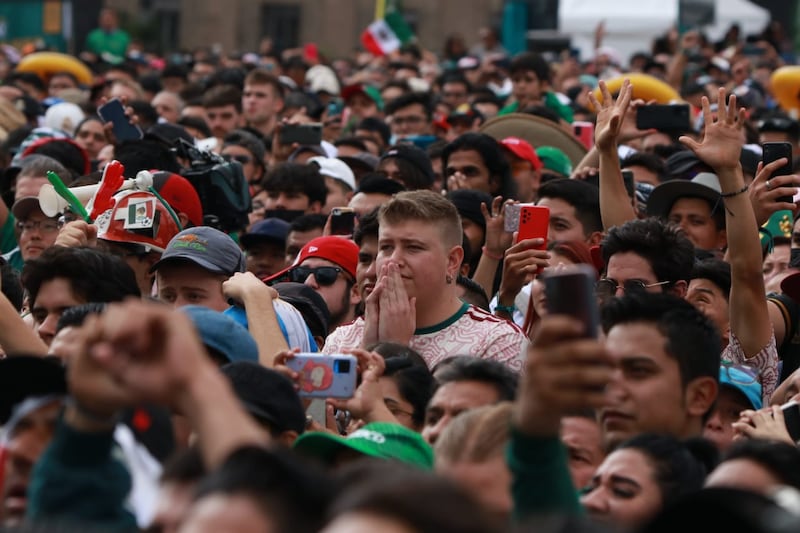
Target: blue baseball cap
(206,247)
(742,381)
(223,334)
(269,229)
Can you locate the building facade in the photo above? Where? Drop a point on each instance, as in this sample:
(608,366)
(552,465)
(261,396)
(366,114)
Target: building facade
(334,25)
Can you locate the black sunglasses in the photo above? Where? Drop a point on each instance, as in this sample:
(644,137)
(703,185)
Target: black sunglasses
(325,275)
(606,288)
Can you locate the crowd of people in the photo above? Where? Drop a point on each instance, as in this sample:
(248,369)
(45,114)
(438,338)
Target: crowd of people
(188,288)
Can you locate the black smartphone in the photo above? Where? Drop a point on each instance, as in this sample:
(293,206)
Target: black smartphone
(664,117)
(113,111)
(343,221)
(791,416)
(570,291)
(307,134)
(773,151)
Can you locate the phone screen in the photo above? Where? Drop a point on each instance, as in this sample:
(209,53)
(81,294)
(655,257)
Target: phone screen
(342,222)
(772,151)
(570,291)
(113,111)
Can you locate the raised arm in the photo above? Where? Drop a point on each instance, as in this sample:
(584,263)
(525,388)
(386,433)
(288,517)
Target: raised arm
(720,148)
(257,297)
(615,205)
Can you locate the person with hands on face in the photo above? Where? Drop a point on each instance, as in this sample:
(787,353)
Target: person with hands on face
(564,373)
(751,339)
(418,260)
(389,311)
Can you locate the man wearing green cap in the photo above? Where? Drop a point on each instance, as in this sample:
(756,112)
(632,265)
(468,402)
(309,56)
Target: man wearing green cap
(380,440)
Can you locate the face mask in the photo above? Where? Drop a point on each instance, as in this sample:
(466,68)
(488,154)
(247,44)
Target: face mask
(794,261)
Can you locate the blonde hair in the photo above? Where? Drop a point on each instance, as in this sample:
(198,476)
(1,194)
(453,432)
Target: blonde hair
(424,206)
(476,435)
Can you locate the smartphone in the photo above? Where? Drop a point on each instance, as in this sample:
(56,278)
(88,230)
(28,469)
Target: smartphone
(773,151)
(570,291)
(511,217)
(791,416)
(664,117)
(307,134)
(534,222)
(113,111)
(343,221)
(584,131)
(325,376)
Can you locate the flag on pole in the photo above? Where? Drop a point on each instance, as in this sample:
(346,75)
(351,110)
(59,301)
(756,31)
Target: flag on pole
(386,35)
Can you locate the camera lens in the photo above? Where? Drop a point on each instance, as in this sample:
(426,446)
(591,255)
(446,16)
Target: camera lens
(341,367)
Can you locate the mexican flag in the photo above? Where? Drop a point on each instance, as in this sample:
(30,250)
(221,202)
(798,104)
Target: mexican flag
(386,35)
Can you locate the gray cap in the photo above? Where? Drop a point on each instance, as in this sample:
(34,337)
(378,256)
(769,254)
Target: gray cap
(206,247)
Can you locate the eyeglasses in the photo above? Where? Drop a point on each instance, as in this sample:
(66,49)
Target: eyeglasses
(325,275)
(46,226)
(606,288)
(742,375)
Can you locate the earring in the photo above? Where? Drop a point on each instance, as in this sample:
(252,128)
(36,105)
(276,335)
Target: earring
(449,279)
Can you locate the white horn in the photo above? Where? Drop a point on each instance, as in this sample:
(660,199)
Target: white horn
(52,204)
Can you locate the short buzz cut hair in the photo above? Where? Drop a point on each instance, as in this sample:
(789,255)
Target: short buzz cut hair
(424,206)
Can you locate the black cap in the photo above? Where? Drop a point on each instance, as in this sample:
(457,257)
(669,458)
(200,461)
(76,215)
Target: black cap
(310,304)
(267,395)
(28,376)
(415,156)
(468,202)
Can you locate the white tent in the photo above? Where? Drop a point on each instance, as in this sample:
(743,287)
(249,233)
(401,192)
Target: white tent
(631,25)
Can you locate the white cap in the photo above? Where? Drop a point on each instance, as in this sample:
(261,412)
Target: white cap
(63,116)
(336,169)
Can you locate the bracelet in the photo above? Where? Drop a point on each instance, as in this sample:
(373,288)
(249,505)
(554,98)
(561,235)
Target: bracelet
(490,255)
(735,193)
(507,309)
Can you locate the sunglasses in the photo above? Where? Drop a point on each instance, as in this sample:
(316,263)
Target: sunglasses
(606,288)
(325,275)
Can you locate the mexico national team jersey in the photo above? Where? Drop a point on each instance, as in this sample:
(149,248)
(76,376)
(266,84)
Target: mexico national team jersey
(471,331)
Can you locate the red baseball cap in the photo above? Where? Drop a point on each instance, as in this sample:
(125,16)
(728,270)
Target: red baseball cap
(180,194)
(338,250)
(523,150)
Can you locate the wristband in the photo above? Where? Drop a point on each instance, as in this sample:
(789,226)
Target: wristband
(490,255)
(507,309)
(735,193)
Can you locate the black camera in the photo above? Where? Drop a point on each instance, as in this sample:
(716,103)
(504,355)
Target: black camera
(221,186)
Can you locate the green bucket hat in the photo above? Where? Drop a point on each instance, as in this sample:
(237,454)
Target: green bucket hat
(779,225)
(555,159)
(379,439)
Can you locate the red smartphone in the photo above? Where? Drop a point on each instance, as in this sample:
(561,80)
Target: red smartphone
(534,222)
(584,131)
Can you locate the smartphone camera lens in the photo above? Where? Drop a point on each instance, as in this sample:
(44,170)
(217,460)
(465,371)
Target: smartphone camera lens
(341,367)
